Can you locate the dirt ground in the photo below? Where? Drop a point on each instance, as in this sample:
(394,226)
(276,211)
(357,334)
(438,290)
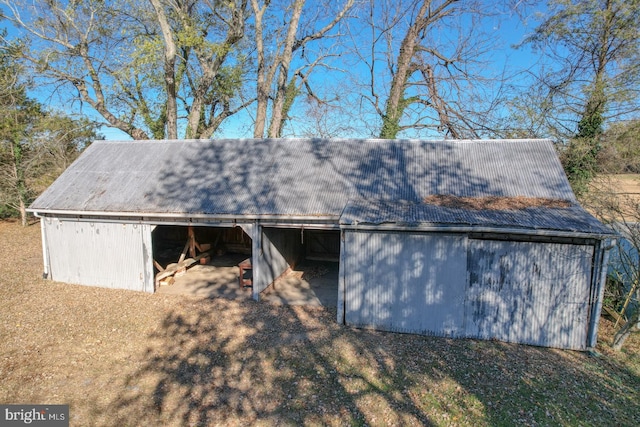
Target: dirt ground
(311,283)
(122,358)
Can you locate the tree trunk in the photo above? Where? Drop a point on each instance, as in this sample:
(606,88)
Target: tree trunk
(281,63)
(626,330)
(23,213)
(99,103)
(265,74)
(438,103)
(396,103)
(20,183)
(394,106)
(170,52)
(211,66)
(291,93)
(283,71)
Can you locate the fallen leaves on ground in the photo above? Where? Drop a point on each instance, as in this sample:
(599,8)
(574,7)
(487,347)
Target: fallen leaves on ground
(128,358)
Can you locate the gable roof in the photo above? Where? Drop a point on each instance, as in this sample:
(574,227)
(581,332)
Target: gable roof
(296,177)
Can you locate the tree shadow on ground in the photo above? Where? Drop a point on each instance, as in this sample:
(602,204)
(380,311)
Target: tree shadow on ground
(239,363)
(236,363)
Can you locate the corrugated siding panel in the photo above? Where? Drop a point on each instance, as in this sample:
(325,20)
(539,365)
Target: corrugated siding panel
(531,293)
(435,284)
(405,282)
(109,255)
(277,251)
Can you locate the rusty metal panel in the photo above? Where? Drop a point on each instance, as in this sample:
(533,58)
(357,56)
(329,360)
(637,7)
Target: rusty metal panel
(110,255)
(530,293)
(405,282)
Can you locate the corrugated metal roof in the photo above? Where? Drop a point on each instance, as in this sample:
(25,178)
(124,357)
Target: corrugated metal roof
(306,177)
(570,219)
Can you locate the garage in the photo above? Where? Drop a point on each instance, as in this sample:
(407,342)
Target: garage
(98,253)
(298,266)
(405,282)
(518,292)
(469,238)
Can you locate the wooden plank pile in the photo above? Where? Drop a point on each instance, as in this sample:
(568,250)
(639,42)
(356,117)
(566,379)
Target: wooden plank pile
(166,276)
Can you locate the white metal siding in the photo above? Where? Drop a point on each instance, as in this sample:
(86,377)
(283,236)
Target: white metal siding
(111,255)
(531,293)
(276,249)
(449,285)
(405,282)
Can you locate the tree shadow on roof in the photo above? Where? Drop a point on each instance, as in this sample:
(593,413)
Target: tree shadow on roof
(309,177)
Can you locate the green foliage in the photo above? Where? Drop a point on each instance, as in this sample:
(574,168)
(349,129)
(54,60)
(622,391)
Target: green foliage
(16,111)
(391,122)
(111,55)
(291,93)
(614,151)
(590,126)
(390,128)
(590,75)
(579,159)
(35,145)
(226,85)
(614,294)
(592,46)
(7,211)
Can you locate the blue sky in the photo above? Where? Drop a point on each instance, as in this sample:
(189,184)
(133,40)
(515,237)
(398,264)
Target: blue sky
(509,28)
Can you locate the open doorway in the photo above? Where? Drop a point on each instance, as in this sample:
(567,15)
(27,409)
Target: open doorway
(312,277)
(200,260)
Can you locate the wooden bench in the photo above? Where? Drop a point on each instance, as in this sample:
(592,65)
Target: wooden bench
(245,266)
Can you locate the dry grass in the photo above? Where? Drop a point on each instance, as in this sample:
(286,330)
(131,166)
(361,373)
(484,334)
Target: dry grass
(614,197)
(122,358)
(622,183)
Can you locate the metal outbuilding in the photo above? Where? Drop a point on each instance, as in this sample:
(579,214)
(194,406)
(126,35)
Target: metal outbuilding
(528,273)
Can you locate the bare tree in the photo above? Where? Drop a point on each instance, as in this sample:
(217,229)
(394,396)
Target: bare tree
(622,211)
(325,118)
(406,66)
(110,53)
(427,69)
(275,81)
(591,72)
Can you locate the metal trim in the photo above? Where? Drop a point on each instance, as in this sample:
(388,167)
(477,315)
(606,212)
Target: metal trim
(143,215)
(445,228)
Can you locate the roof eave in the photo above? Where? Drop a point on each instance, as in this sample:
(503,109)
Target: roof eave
(178,215)
(465,228)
